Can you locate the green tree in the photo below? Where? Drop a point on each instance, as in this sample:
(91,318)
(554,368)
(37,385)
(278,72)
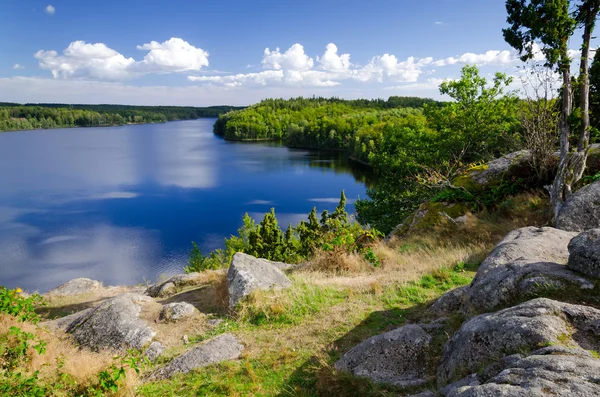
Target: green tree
(548,25)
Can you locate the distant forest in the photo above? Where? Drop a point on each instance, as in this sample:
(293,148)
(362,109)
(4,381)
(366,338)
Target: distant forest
(15,116)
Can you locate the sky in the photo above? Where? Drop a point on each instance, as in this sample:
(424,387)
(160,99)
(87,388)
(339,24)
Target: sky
(227,52)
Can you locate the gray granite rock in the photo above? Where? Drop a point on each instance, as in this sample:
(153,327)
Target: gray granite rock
(175,311)
(76,286)
(399,357)
(247,274)
(584,250)
(221,348)
(114,324)
(581,211)
(488,338)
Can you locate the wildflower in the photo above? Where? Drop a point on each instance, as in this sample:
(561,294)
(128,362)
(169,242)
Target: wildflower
(18,290)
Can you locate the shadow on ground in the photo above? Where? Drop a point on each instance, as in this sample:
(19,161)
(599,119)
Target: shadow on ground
(315,376)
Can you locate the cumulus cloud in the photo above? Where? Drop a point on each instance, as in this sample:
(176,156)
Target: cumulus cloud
(293,59)
(98,61)
(332,61)
(492,57)
(50,10)
(17,66)
(173,55)
(295,67)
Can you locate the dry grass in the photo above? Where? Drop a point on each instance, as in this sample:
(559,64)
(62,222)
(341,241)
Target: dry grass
(81,365)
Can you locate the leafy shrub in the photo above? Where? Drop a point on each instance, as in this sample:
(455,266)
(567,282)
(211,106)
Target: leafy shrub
(13,303)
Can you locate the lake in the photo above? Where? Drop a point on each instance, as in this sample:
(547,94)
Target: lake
(122,204)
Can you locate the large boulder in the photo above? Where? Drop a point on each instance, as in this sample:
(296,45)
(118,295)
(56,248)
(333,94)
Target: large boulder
(501,168)
(525,261)
(581,211)
(114,324)
(487,338)
(76,286)
(550,371)
(221,348)
(176,311)
(174,284)
(247,274)
(584,252)
(400,357)
(452,301)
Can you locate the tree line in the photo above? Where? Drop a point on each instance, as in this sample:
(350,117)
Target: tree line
(15,116)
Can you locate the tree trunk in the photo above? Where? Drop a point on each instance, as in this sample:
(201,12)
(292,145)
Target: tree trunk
(557,189)
(572,165)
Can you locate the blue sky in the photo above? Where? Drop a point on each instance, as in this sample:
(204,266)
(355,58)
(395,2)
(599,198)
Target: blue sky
(215,52)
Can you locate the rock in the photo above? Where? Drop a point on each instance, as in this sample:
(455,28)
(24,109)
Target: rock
(399,357)
(581,211)
(173,284)
(154,350)
(584,250)
(501,167)
(176,311)
(423,394)
(247,274)
(471,380)
(487,338)
(114,324)
(221,348)
(452,301)
(76,286)
(546,372)
(525,261)
(63,323)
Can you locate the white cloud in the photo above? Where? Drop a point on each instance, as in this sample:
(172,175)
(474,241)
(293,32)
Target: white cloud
(295,67)
(50,10)
(491,57)
(97,61)
(332,61)
(293,59)
(173,55)
(17,66)
(438,23)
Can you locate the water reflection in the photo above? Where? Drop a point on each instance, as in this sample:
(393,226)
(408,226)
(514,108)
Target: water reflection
(123,204)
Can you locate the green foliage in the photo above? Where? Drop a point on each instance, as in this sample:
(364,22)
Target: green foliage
(267,240)
(13,303)
(199,262)
(14,116)
(483,121)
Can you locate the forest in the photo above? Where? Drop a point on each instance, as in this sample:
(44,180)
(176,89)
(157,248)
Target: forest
(14,116)
(415,146)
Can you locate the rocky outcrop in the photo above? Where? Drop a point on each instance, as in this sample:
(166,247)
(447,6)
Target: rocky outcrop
(400,357)
(452,301)
(247,274)
(221,348)
(176,311)
(488,338)
(581,211)
(584,253)
(174,284)
(501,168)
(114,324)
(551,371)
(76,286)
(525,261)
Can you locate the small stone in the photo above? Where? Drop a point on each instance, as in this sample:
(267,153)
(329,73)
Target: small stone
(154,350)
(176,311)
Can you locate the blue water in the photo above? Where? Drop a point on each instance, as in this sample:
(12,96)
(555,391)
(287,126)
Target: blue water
(122,204)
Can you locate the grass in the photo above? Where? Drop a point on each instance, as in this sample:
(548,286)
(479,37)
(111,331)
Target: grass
(293,337)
